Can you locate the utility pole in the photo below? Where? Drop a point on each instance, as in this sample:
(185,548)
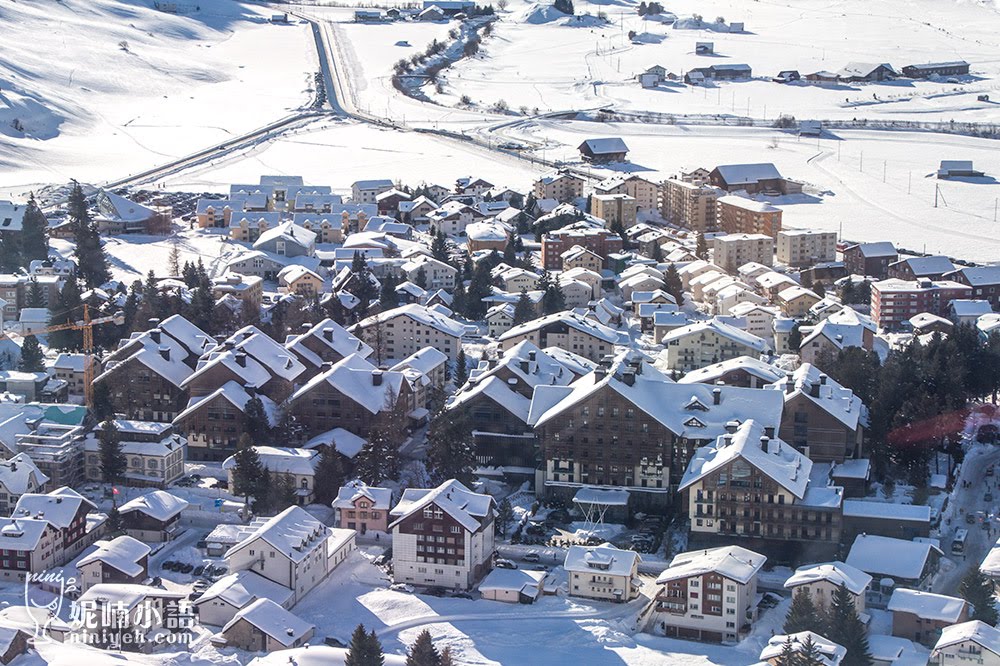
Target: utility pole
(995,202)
(909,183)
(884,168)
(935,194)
(861,165)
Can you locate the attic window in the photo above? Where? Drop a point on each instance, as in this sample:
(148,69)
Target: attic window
(7,221)
(697,404)
(694,423)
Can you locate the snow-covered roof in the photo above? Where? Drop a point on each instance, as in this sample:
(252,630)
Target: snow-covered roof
(242,588)
(603,496)
(71,362)
(981,276)
(157,504)
(381,498)
(360,381)
(782,463)
(22,534)
(927,605)
(420,314)
(282,460)
(513,580)
(720,328)
(575,321)
(879,249)
(733,562)
(606,559)
(19,475)
(58,507)
(331,334)
(973,631)
(831,654)
(838,573)
(425,361)
(926,266)
(605,146)
(122,553)
(886,556)
(11,215)
(711,373)
(115,207)
(289,232)
(748,204)
(343,441)
(468,508)
(274,621)
(373,184)
(824,392)
(316,655)
(293,532)
(856,508)
(235,394)
(745,174)
(499,392)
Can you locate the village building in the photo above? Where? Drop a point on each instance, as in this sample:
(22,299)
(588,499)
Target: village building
(753,179)
(614,209)
(232,593)
(645,192)
(870,259)
(366,191)
(843,329)
(19,475)
(264,626)
(121,560)
(744,371)
(708,342)
(972,642)
(567,330)
(300,280)
(905,563)
(603,151)
(799,248)
(984,282)
(295,467)
(361,507)
(512,586)
(153,452)
(600,241)
(442,537)
(894,302)
(912,268)
(831,654)
(739,215)
(921,616)
(709,595)
(154,517)
(733,250)
(212,424)
(690,205)
(821,582)
(602,572)
(562,186)
(66,511)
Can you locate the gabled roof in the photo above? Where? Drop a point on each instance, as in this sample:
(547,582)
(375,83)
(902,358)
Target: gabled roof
(123,553)
(605,146)
(831,654)
(157,504)
(606,559)
(836,400)
(837,573)
(468,508)
(720,328)
(294,533)
(420,314)
(288,232)
(711,373)
(886,556)
(871,250)
(747,174)
(331,334)
(282,460)
(381,498)
(733,562)
(274,621)
(22,534)
(573,320)
(19,474)
(973,631)
(927,605)
(58,507)
(244,587)
(235,394)
(782,463)
(356,378)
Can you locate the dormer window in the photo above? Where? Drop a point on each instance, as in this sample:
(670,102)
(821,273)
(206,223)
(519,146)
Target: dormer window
(694,423)
(696,404)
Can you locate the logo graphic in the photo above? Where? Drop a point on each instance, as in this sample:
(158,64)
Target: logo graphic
(44,594)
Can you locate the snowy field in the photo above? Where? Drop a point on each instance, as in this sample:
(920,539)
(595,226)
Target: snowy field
(107,88)
(541,58)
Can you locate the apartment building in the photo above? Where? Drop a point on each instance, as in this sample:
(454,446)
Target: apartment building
(739,215)
(561,186)
(602,242)
(733,250)
(602,572)
(408,329)
(709,595)
(614,209)
(708,342)
(799,248)
(894,302)
(645,192)
(690,205)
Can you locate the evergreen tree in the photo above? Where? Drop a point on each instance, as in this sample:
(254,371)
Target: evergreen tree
(116,526)
(510,249)
(32,358)
(657,254)
(446,658)
(845,628)
(201,309)
(362,285)
(388,298)
(423,652)
(810,655)
(553,299)
(673,284)
(451,454)
(34,234)
(364,649)
(174,258)
(789,656)
(505,517)
(249,475)
(92,264)
(701,247)
(802,615)
(36,297)
(330,475)
(420,279)
(289,431)
(66,309)
(459,298)
(795,338)
(439,246)
(618,228)
(479,289)
(103,408)
(258,426)
(819,289)
(10,252)
(113,462)
(977,590)
(461,369)
(378,459)
(280,492)
(524,310)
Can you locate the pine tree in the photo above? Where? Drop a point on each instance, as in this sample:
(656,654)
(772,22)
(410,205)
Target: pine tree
(618,228)
(439,246)
(113,462)
(116,525)
(280,493)
(789,656)
(102,408)
(420,279)
(845,628)
(373,462)
(388,298)
(36,297)
(289,431)
(977,590)
(819,289)
(174,258)
(257,425)
(91,261)
(673,284)
(701,247)
(795,338)
(32,358)
(67,309)
(809,654)
(330,475)
(446,658)
(459,297)
(802,615)
(423,652)
(364,649)
(461,369)
(450,451)
(10,252)
(524,310)
(505,517)
(363,285)
(510,249)
(553,299)
(249,474)
(657,254)
(34,234)
(479,289)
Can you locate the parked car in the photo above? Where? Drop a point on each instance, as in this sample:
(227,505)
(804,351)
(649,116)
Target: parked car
(199,570)
(201,585)
(532,557)
(970,518)
(186,568)
(505,564)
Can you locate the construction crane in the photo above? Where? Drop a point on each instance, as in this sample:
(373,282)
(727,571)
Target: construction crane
(87,326)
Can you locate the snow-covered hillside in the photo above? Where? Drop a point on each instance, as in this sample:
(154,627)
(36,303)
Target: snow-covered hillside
(102,88)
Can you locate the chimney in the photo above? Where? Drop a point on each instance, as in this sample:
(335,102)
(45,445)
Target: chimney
(716,396)
(769,431)
(153,323)
(531,355)
(732,426)
(822,380)
(250,389)
(154,335)
(165,353)
(241,359)
(763,443)
(629,377)
(600,372)
(727,439)
(789,384)
(524,366)
(814,390)
(376,378)
(328,334)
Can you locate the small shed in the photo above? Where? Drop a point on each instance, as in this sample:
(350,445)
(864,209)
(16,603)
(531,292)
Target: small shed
(787,76)
(704,48)
(737,27)
(601,151)
(810,128)
(958,169)
(649,80)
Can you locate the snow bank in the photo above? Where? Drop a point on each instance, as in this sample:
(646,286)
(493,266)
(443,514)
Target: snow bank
(538,14)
